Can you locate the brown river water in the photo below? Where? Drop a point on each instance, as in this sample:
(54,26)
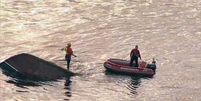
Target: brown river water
(167,30)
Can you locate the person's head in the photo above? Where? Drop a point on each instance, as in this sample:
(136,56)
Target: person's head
(69,44)
(136,46)
(154,62)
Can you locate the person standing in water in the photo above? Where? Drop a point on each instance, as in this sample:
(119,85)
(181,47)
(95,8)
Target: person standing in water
(69,52)
(135,53)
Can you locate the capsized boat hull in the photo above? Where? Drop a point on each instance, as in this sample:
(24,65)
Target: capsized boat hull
(32,67)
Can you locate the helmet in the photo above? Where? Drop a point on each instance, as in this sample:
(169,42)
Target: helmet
(69,44)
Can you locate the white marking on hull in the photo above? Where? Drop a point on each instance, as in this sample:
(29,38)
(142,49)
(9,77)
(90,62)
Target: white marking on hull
(11,66)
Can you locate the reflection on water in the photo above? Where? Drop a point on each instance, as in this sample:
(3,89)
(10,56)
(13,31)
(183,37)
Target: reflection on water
(24,86)
(22,83)
(67,88)
(133,81)
(134,84)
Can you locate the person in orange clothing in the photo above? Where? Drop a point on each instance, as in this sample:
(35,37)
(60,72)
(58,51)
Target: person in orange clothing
(135,53)
(69,52)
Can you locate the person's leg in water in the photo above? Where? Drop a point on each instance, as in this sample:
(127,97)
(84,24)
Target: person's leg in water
(68,63)
(131,61)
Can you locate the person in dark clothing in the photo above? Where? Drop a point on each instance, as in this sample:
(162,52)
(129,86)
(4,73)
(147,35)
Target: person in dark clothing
(152,66)
(69,52)
(135,53)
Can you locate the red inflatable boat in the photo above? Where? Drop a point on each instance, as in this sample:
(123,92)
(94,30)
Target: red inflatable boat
(122,66)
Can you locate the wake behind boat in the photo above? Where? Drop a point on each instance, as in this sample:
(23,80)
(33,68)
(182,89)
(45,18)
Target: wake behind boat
(122,66)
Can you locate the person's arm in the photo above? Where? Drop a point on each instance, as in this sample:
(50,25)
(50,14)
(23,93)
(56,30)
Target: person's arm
(139,55)
(73,54)
(62,49)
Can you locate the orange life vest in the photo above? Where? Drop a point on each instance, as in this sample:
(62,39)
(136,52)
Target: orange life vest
(142,64)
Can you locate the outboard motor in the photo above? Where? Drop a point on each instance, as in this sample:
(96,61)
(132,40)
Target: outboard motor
(152,66)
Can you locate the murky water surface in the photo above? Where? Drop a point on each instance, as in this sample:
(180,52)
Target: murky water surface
(167,30)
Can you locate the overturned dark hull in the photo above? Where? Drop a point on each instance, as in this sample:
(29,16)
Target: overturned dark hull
(31,67)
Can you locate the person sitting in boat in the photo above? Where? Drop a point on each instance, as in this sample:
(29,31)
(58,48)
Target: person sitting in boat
(135,54)
(152,66)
